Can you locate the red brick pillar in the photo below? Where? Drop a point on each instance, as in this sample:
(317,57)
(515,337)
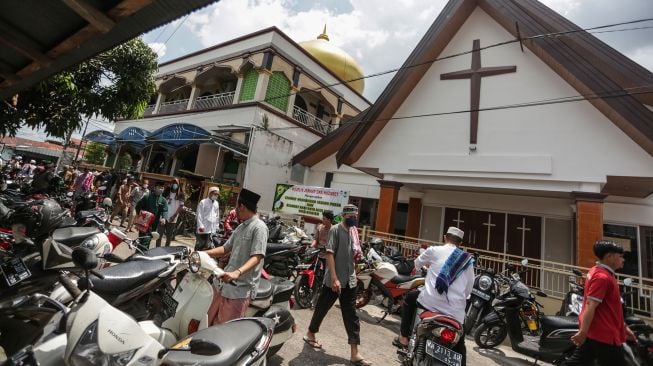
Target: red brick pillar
(589,226)
(385,214)
(414,217)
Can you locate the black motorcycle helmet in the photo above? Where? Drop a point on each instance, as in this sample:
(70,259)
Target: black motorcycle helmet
(39,217)
(603,247)
(377,244)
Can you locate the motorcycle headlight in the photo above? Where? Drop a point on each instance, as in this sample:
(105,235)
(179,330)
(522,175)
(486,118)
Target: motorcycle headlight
(87,351)
(484,283)
(194,262)
(91,243)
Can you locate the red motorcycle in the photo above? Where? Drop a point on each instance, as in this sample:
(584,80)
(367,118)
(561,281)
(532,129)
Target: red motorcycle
(310,279)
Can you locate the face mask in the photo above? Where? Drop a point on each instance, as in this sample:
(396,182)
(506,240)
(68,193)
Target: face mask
(350,221)
(174,186)
(144,186)
(213,198)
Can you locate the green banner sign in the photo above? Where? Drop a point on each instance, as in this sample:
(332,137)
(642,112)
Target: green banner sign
(308,201)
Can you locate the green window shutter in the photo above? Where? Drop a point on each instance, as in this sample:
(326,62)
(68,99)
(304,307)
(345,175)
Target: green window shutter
(278,91)
(248,89)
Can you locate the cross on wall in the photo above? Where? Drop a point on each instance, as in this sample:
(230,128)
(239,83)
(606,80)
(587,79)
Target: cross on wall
(523,229)
(475,73)
(489,225)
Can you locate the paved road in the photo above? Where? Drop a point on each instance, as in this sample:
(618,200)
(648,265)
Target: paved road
(376,343)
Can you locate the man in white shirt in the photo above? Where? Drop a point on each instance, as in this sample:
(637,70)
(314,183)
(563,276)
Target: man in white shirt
(458,286)
(207,219)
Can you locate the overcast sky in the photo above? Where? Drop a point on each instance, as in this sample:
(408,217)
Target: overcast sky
(378,33)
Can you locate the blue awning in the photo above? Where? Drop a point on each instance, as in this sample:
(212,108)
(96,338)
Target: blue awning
(101,137)
(133,135)
(179,134)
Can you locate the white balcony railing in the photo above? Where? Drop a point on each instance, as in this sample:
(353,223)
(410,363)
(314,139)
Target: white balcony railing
(149,110)
(215,100)
(174,106)
(310,120)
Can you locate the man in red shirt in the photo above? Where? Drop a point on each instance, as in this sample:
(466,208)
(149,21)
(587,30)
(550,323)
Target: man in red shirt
(602,329)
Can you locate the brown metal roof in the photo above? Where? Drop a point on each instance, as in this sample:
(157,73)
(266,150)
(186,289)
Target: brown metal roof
(582,60)
(40,38)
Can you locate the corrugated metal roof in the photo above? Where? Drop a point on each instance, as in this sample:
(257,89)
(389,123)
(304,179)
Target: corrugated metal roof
(40,38)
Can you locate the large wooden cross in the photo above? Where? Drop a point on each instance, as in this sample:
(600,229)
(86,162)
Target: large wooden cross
(475,74)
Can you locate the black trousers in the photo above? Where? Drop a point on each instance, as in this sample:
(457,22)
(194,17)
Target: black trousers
(605,354)
(409,310)
(347,308)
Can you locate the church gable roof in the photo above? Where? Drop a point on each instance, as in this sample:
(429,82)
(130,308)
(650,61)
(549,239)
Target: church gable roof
(583,61)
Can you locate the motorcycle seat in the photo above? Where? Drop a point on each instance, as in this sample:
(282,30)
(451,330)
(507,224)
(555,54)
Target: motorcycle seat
(443,318)
(176,250)
(235,339)
(632,320)
(126,276)
(282,289)
(72,236)
(551,323)
(275,247)
(403,278)
(265,289)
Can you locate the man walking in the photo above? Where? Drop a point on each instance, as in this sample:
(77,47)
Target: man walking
(123,200)
(157,205)
(137,193)
(247,246)
(602,330)
(207,219)
(175,203)
(342,249)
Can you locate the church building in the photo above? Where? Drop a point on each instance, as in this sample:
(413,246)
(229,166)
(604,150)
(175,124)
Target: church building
(513,124)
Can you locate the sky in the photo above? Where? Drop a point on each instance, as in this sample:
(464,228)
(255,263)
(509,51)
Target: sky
(379,34)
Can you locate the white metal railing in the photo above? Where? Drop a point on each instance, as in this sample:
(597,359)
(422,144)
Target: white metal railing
(310,120)
(550,277)
(174,106)
(149,110)
(215,100)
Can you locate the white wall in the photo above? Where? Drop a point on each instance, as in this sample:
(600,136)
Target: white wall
(626,210)
(564,147)
(359,184)
(267,165)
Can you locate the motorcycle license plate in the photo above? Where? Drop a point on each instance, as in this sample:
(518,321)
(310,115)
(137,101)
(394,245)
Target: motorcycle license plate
(15,271)
(480,294)
(169,303)
(443,354)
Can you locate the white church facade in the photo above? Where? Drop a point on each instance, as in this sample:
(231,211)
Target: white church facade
(535,148)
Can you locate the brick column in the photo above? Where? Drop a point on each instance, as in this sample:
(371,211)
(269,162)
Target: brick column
(385,215)
(589,226)
(414,217)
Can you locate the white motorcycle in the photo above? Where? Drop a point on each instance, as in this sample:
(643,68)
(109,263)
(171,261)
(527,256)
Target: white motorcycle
(99,334)
(194,295)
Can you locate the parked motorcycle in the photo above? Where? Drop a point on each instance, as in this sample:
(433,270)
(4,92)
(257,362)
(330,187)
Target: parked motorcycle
(573,301)
(309,281)
(392,255)
(97,333)
(479,304)
(188,306)
(432,341)
(380,282)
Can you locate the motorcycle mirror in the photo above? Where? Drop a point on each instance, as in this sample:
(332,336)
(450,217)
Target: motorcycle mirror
(102,188)
(577,272)
(541,294)
(155,236)
(204,348)
(524,262)
(84,258)
(628,281)
(107,202)
(69,194)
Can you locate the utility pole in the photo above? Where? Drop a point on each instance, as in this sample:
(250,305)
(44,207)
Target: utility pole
(63,152)
(81,141)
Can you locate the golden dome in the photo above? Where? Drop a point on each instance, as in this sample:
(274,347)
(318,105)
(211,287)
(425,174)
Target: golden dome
(336,60)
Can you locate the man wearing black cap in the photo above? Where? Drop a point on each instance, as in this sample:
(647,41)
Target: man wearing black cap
(246,247)
(41,181)
(602,328)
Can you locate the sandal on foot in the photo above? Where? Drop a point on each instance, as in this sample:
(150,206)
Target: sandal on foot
(361,362)
(313,343)
(396,343)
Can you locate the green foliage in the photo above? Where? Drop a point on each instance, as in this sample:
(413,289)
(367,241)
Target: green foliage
(225,196)
(115,84)
(125,162)
(95,153)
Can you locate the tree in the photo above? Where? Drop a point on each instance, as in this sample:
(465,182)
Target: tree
(114,84)
(125,162)
(95,153)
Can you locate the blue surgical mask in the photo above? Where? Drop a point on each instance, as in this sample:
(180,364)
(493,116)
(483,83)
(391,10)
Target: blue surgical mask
(350,221)
(175,186)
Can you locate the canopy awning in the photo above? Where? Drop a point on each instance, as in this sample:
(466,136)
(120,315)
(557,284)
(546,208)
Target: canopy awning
(101,137)
(177,135)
